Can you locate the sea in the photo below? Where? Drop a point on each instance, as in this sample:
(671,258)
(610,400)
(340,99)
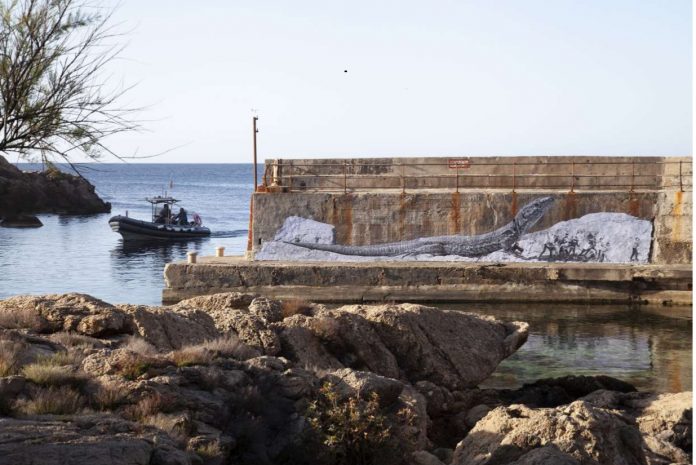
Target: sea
(650,347)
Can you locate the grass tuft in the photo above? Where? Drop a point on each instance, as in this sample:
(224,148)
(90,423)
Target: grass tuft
(62,400)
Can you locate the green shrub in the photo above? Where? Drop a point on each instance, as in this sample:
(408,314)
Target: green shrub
(352,431)
(63,400)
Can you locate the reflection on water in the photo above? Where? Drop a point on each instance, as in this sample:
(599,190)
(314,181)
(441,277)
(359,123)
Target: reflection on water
(650,347)
(83,254)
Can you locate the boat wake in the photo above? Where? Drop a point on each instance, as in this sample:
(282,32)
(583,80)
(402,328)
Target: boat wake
(235,233)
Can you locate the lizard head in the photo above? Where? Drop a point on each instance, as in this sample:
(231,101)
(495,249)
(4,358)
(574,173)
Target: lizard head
(531,213)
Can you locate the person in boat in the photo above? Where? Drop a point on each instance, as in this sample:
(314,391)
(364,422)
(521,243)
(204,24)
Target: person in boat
(164,215)
(181,218)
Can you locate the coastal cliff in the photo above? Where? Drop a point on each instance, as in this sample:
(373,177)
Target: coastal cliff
(237,378)
(50,191)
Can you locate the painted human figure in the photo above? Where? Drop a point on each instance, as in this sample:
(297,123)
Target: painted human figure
(589,252)
(550,246)
(634,252)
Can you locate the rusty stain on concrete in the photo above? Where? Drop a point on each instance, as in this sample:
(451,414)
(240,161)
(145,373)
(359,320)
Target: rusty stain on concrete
(570,206)
(513,204)
(454,224)
(677,213)
(403,205)
(634,206)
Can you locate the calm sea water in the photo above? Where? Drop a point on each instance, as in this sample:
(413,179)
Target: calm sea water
(650,347)
(82,254)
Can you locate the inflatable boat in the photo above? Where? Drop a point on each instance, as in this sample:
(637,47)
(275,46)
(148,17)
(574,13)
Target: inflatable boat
(162,227)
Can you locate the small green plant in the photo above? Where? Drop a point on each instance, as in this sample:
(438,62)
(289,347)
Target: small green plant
(209,451)
(191,355)
(74,340)
(10,352)
(353,431)
(107,397)
(63,400)
(48,375)
(132,366)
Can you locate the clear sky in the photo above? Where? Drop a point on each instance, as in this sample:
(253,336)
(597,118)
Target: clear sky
(504,77)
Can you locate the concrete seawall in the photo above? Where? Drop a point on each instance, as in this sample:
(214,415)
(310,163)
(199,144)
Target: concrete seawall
(376,217)
(372,201)
(433,281)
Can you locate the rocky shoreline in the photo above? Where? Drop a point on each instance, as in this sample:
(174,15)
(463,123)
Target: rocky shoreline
(242,379)
(23,194)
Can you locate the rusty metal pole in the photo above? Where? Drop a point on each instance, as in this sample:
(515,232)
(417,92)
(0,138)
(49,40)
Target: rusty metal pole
(681,185)
(633,174)
(255,119)
(513,176)
(345,176)
(572,177)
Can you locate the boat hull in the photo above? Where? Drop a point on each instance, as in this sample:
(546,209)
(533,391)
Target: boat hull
(132,229)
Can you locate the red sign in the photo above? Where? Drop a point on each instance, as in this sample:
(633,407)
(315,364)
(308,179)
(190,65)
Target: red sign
(459,163)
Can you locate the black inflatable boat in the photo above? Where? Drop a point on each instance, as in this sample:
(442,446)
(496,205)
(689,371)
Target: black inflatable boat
(162,227)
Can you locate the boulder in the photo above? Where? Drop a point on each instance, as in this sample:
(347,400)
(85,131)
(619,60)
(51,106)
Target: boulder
(20,221)
(421,457)
(268,310)
(667,424)
(220,301)
(449,348)
(166,329)
(92,440)
(588,434)
(364,384)
(80,313)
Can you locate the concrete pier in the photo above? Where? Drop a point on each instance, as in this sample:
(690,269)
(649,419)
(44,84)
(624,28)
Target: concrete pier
(433,281)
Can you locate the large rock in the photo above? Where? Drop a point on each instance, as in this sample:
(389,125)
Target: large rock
(412,342)
(50,191)
(94,440)
(588,434)
(67,312)
(365,384)
(166,329)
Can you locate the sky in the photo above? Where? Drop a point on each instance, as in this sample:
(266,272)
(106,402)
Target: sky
(405,78)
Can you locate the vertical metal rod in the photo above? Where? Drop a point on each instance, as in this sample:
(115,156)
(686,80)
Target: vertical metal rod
(345,176)
(681,185)
(513,176)
(255,119)
(290,176)
(572,177)
(633,174)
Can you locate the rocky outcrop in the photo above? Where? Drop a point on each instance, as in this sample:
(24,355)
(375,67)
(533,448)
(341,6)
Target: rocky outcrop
(85,439)
(236,378)
(578,431)
(50,191)
(410,342)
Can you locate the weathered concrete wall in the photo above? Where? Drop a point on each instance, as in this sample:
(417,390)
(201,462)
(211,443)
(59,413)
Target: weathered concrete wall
(430,206)
(672,234)
(371,218)
(434,281)
(579,172)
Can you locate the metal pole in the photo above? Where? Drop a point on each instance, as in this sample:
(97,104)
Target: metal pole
(572,177)
(256,118)
(345,176)
(513,177)
(681,185)
(633,174)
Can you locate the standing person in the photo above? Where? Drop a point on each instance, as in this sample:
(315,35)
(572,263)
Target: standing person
(164,215)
